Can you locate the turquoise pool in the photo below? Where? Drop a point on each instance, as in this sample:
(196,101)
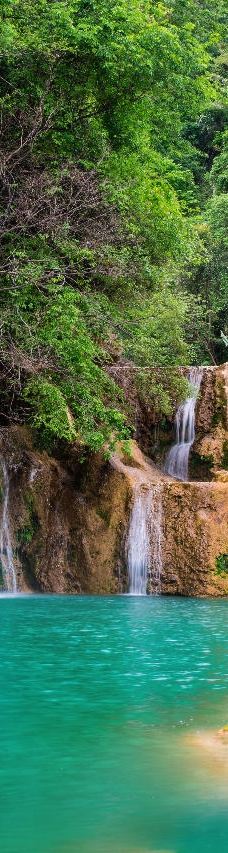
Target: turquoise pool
(106,705)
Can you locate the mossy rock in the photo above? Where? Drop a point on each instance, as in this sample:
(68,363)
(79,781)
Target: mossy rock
(219,416)
(105,515)
(25,535)
(222,565)
(224,463)
(201,467)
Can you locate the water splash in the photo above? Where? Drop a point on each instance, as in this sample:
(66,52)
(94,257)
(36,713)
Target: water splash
(6,551)
(144,540)
(177,459)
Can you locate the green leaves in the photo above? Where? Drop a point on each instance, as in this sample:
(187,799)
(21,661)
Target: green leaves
(112,240)
(70,396)
(147,201)
(51,416)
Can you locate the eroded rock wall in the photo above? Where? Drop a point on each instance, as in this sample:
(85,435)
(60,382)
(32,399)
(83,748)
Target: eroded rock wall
(194,530)
(195,517)
(210,449)
(69,521)
(66,521)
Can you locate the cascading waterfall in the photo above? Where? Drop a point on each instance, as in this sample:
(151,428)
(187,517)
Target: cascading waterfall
(177,459)
(6,551)
(144,540)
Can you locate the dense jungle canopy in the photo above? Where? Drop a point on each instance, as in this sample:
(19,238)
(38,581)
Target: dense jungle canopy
(113,206)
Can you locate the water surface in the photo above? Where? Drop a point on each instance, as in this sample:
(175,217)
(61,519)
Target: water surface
(100,702)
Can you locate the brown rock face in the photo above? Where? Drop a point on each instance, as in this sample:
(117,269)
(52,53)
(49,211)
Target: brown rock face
(68,522)
(196,536)
(211,445)
(194,531)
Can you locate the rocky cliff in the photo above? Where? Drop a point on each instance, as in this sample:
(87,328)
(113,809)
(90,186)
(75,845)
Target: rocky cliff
(69,521)
(211,446)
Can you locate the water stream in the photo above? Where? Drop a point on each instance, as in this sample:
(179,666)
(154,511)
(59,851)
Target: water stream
(177,459)
(144,540)
(6,551)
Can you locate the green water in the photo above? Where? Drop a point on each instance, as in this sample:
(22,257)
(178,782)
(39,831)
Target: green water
(99,697)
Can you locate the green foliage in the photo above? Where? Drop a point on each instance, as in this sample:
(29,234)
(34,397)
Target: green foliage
(26,532)
(222,564)
(145,196)
(209,272)
(25,535)
(155,328)
(112,205)
(224,463)
(72,398)
(50,414)
(164,391)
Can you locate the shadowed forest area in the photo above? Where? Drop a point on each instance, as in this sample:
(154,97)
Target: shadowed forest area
(113,207)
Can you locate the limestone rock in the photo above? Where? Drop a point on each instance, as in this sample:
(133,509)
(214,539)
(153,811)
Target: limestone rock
(69,520)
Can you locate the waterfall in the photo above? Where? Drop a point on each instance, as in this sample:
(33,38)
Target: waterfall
(6,551)
(177,459)
(144,540)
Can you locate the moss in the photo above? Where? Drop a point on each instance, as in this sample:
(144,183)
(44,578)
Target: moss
(32,513)
(25,535)
(105,515)
(26,532)
(201,467)
(222,564)
(225,456)
(219,416)
(29,501)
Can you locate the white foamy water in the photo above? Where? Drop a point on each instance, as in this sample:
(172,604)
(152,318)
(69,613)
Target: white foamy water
(144,540)
(6,551)
(177,459)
